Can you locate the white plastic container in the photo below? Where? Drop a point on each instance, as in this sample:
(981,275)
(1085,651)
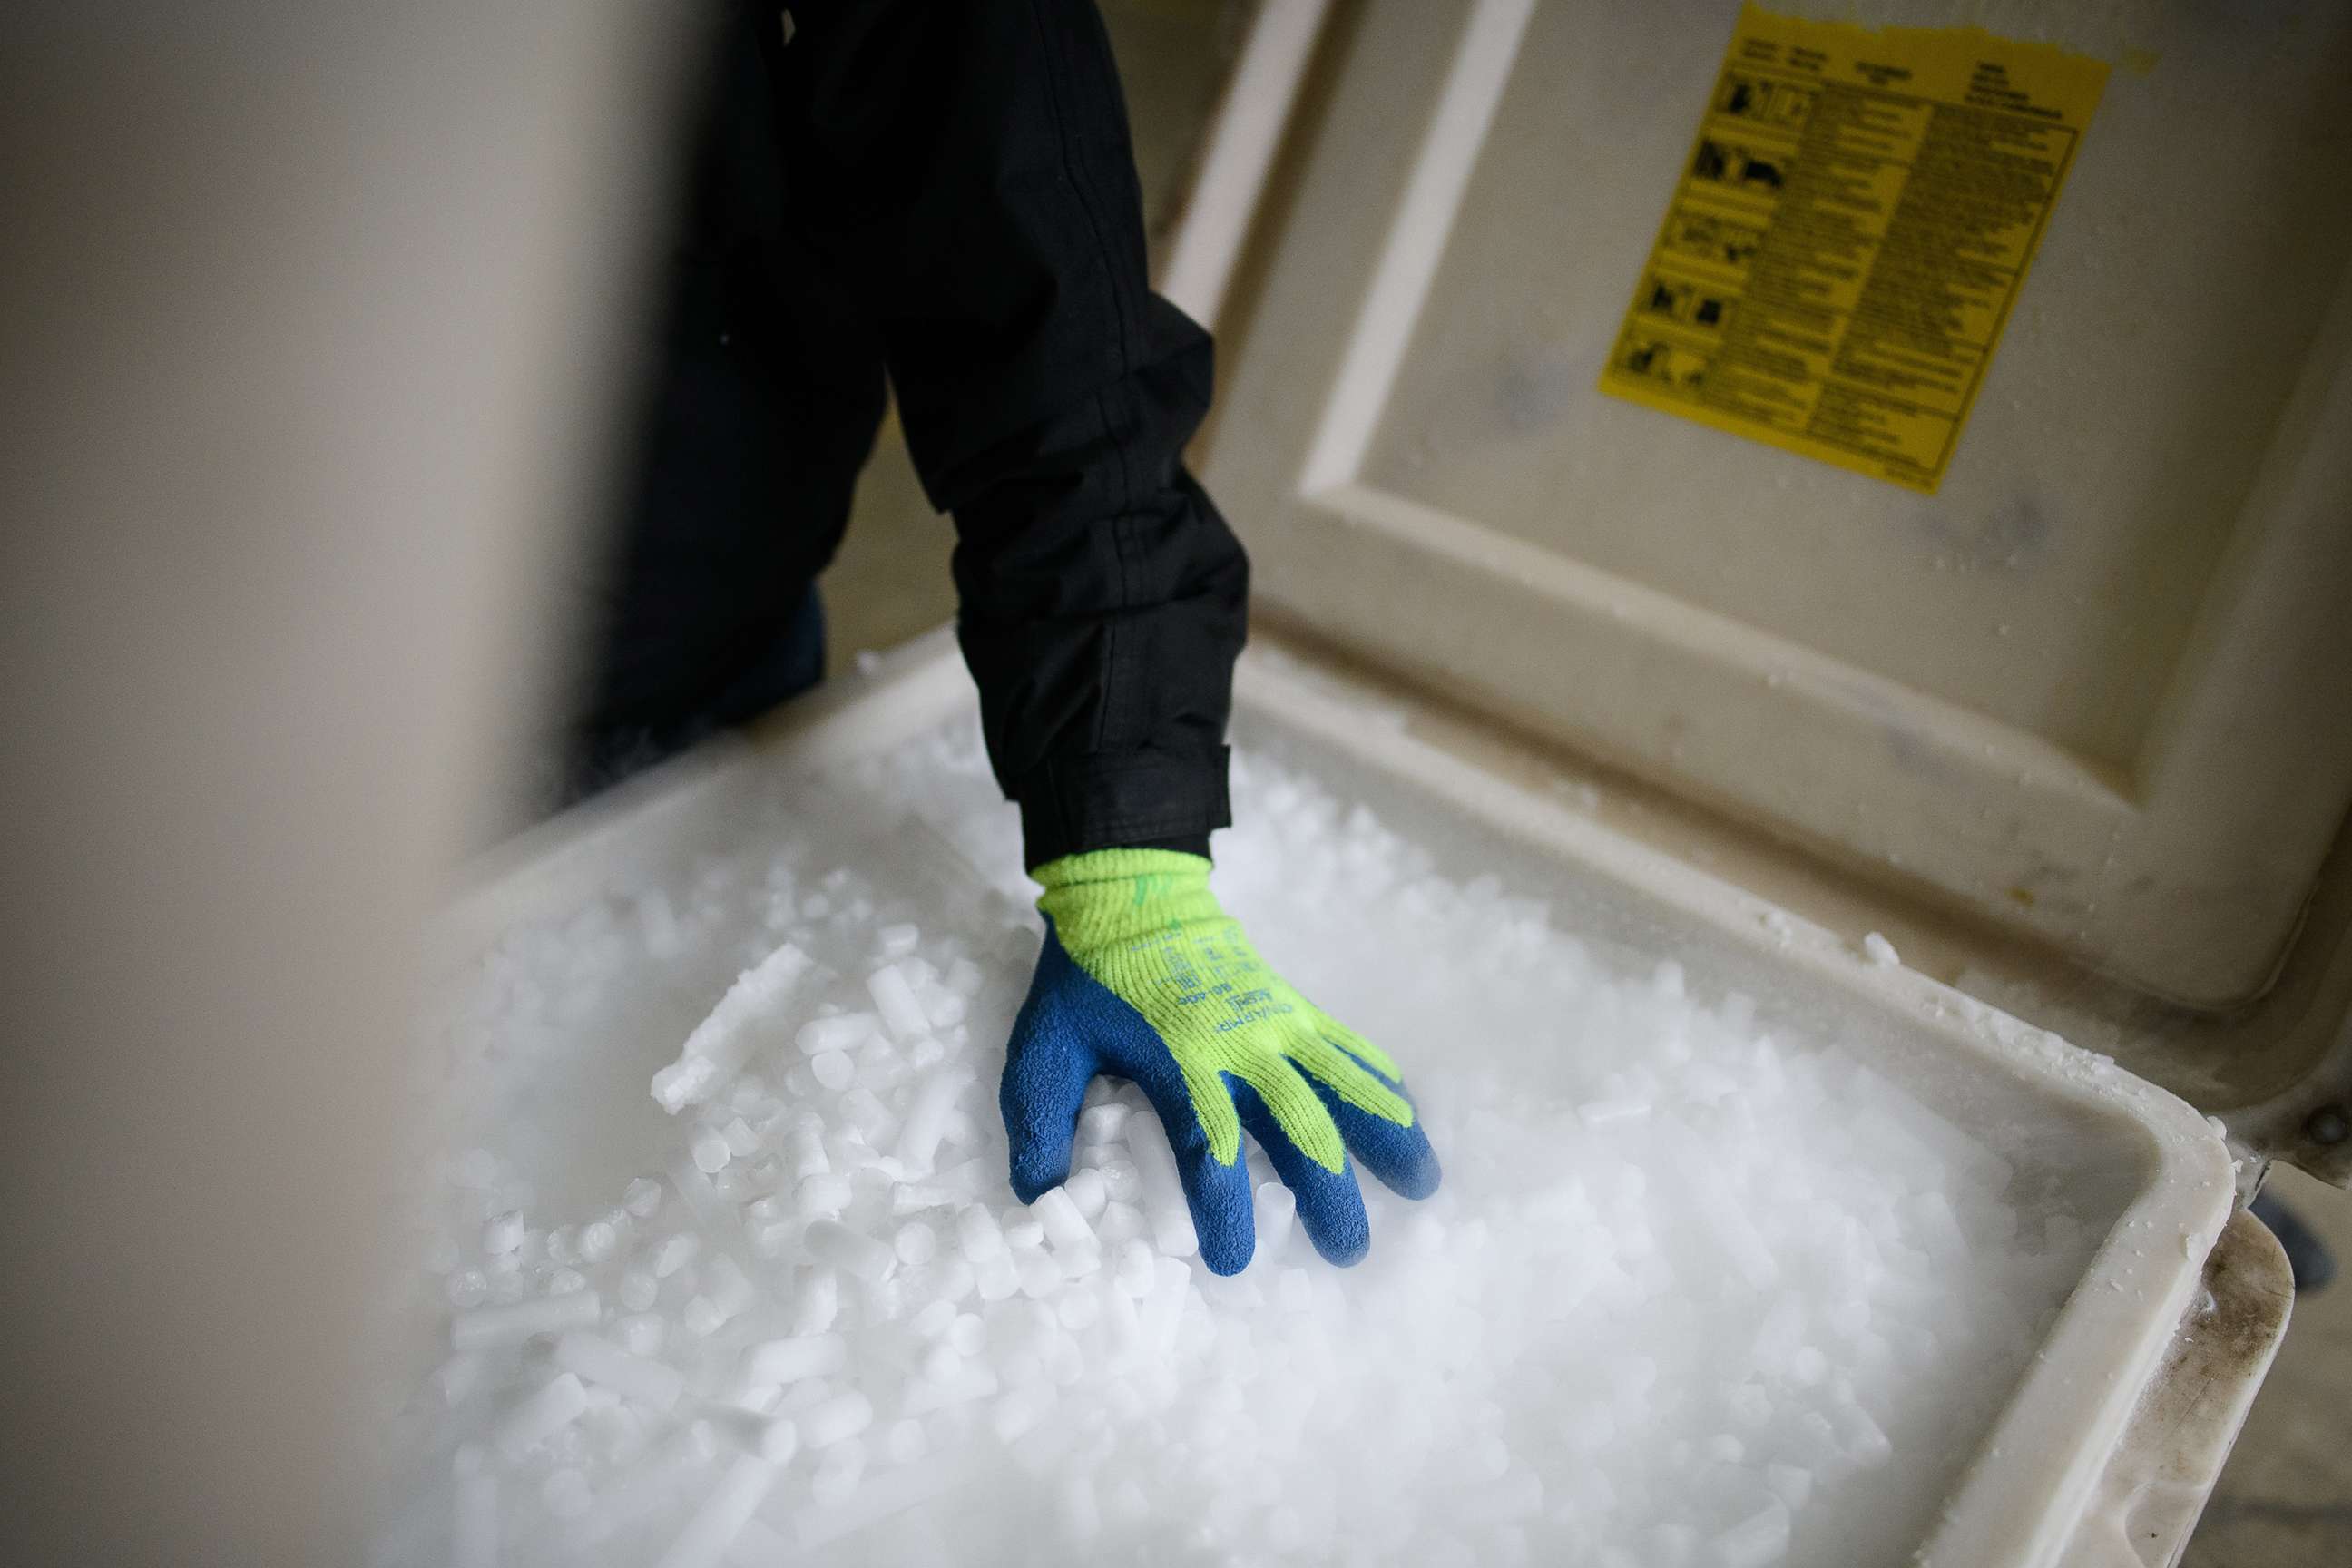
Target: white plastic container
(2143,1167)
(1416,228)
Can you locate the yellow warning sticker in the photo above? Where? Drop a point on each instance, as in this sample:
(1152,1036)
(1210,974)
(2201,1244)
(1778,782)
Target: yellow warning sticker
(1851,230)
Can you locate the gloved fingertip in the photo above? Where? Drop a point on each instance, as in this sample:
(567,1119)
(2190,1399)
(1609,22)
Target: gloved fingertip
(1030,1182)
(1408,1165)
(1344,1250)
(1328,1203)
(1331,1212)
(1220,1202)
(1230,1257)
(1398,1153)
(1045,1086)
(1419,1181)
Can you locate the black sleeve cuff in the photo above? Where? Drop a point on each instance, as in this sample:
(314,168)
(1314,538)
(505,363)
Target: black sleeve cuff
(1119,800)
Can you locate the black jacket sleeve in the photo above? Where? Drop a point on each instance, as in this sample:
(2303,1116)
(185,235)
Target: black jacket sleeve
(964,167)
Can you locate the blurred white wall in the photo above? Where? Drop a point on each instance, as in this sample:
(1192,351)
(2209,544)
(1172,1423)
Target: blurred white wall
(306,321)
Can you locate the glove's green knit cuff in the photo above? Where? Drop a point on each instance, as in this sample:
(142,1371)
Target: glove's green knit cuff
(1106,899)
(1117,865)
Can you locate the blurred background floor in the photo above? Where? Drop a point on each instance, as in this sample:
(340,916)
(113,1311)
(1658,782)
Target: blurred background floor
(2285,1499)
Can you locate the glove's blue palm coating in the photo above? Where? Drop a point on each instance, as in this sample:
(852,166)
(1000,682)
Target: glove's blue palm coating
(1073,1028)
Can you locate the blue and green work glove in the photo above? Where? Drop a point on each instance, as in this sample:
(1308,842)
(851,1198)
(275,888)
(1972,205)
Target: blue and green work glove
(1142,976)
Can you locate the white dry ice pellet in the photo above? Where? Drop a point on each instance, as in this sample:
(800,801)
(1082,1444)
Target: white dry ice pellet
(1135,1268)
(502,1233)
(475,1526)
(1163,1194)
(837,1474)
(515,1322)
(719,1045)
(905,1442)
(714,1526)
(642,1333)
(676,1253)
(818,1303)
(843,1416)
(927,1117)
(1295,1290)
(566,1493)
(806,1153)
(825,1194)
(1756,1542)
(1058,1213)
(1103,1122)
(1791,1485)
(457,1378)
(643,1198)
(601,1362)
(541,1414)
(841,1032)
(1040,1276)
(894,998)
(996,1277)
(1121,1179)
(791,1360)
(1086,1193)
(853,1252)
(729,1288)
(915,1243)
(1272,1207)
(599,1239)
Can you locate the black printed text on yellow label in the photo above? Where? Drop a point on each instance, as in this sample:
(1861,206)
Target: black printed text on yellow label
(1850,233)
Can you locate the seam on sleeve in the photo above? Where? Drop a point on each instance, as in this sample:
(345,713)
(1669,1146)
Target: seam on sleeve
(1120,519)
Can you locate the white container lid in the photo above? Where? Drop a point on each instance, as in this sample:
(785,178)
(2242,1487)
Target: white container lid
(2097,686)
